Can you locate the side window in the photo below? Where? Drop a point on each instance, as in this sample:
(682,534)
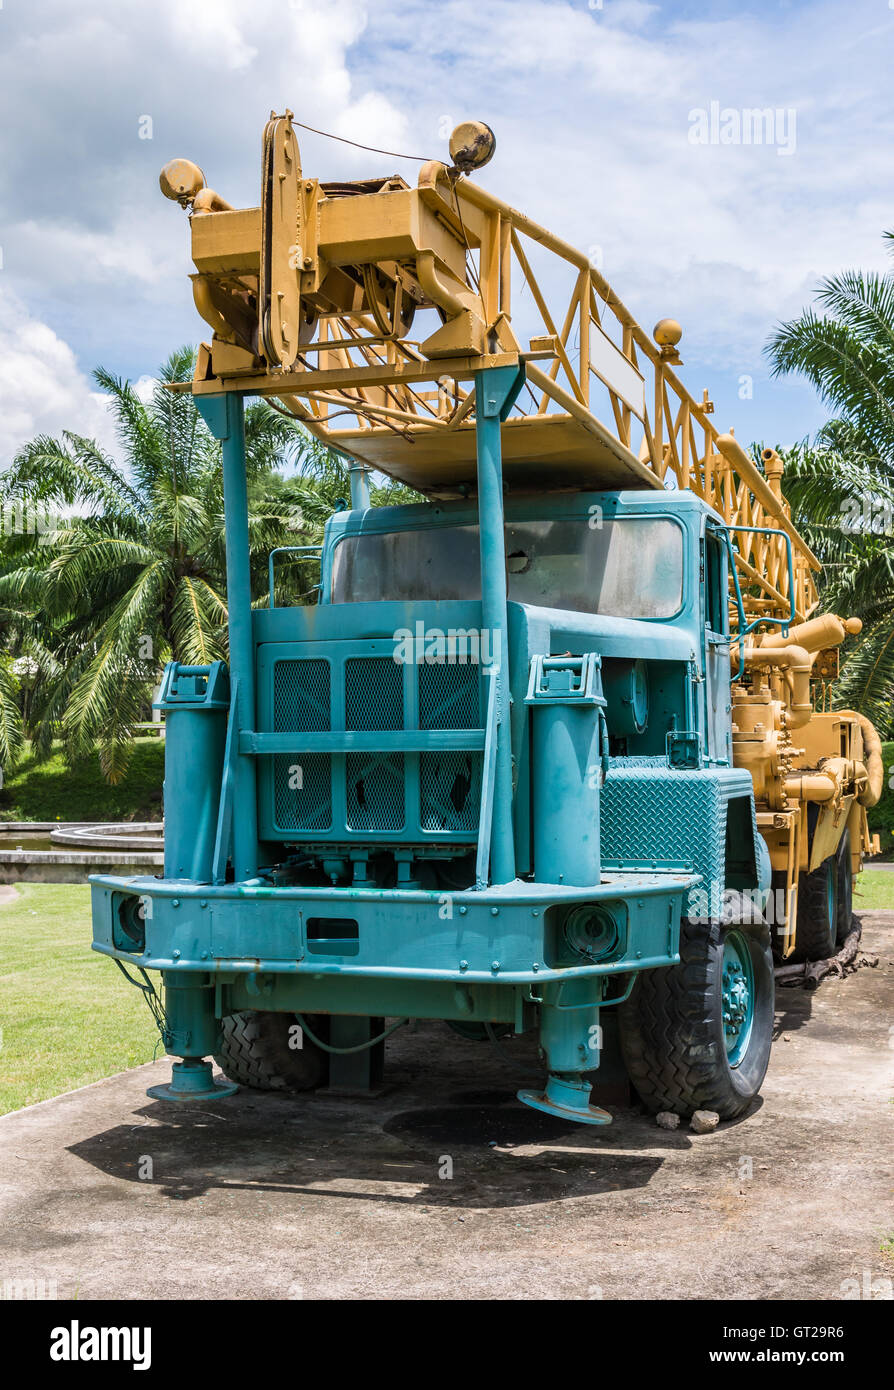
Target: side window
(716,598)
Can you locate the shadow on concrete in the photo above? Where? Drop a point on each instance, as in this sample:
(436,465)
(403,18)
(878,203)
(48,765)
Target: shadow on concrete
(794,1006)
(326,1147)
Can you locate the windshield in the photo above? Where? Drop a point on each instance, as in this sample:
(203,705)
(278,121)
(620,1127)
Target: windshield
(627,568)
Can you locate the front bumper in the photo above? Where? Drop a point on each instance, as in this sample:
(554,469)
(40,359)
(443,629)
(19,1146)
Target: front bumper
(511,934)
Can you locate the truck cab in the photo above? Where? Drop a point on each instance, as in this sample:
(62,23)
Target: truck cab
(374,745)
(637,578)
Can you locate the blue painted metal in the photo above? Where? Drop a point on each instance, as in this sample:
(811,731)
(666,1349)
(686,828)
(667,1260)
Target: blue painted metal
(569,1036)
(495,394)
(485,823)
(191,1031)
(195,701)
(565,698)
(225,417)
(566,1098)
(223,842)
(363,741)
(262,928)
(191,1080)
(359,479)
(625,686)
(658,818)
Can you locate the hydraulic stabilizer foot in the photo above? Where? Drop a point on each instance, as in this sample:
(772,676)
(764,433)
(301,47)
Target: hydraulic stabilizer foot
(192,1079)
(570,1038)
(191,1032)
(568,1098)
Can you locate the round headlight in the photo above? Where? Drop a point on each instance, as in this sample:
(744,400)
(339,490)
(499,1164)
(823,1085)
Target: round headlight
(591,931)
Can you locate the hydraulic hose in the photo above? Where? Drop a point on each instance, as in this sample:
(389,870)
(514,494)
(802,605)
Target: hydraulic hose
(875,767)
(360,1047)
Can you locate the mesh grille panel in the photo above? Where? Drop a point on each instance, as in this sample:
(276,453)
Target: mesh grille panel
(449,783)
(302,795)
(375,787)
(449,791)
(374,694)
(449,697)
(301,696)
(302,782)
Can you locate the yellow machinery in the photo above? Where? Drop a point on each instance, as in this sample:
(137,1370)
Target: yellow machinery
(317,300)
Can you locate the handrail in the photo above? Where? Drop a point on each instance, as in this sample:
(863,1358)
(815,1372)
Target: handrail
(280,550)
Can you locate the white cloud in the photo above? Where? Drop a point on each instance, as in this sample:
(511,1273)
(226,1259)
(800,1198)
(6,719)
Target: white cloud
(209,31)
(42,390)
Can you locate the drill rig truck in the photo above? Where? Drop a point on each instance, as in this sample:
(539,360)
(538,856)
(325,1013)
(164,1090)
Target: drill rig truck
(555,743)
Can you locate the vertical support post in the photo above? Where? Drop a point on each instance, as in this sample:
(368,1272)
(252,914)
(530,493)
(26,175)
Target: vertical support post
(225,417)
(359,478)
(495,392)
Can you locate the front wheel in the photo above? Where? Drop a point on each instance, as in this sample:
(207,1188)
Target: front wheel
(269,1052)
(697,1036)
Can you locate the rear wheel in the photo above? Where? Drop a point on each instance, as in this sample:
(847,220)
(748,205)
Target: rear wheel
(816,925)
(697,1036)
(845,916)
(259,1049)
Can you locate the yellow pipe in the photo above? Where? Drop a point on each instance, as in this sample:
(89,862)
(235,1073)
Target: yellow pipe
(434,287)
(826,631)
(810,786)
(201,293)
(797,663)
(209,201)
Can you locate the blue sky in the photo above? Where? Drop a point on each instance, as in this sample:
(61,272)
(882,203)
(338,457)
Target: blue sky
(595,107)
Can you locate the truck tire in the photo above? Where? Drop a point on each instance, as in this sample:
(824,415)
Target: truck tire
(680,1052)
(816,924)
(255,1052)
(845,916)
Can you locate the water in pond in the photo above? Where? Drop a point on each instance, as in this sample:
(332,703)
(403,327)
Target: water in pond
(20,839)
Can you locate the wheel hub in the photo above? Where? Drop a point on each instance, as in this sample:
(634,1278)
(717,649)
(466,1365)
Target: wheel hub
(737,997)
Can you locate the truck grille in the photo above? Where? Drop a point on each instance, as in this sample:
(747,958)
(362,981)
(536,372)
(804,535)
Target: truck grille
(449,783)
(398,796)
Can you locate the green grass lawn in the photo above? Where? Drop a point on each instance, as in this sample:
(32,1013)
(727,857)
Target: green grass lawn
(68,1015)
(873,890)
(54,791)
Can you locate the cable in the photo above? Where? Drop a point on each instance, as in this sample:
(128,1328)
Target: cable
(374,149)
(361,1047)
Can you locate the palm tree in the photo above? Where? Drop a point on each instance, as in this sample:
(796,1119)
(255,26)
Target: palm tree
(134,574)
(18,667)
(841,485)
(10,708)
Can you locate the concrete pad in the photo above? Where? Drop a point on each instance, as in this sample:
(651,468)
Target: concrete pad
(265,1196)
